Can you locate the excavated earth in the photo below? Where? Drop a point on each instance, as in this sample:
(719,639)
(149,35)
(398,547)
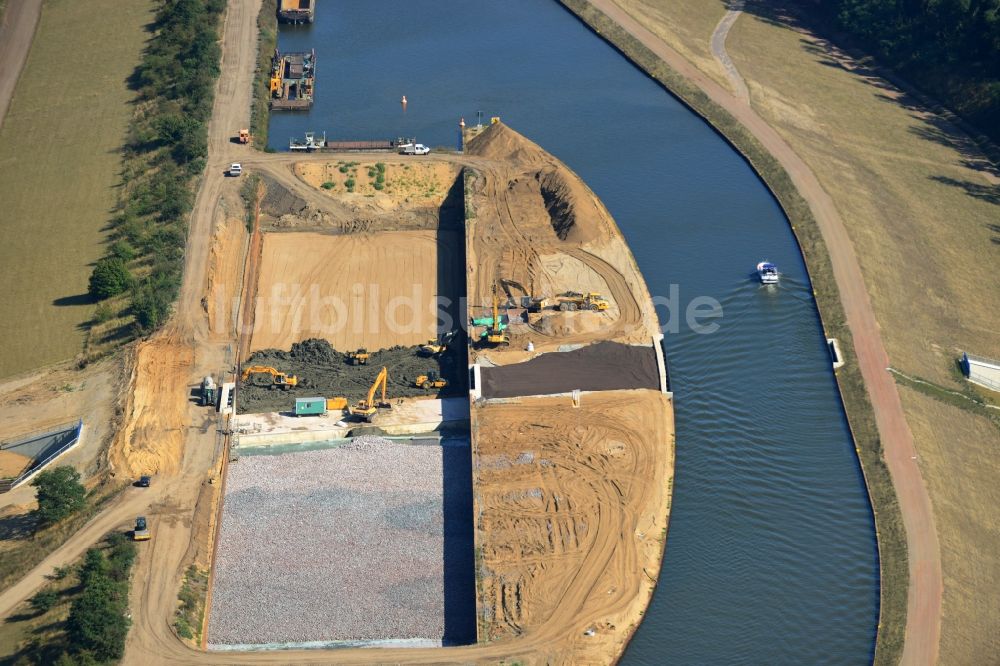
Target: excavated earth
(327,372)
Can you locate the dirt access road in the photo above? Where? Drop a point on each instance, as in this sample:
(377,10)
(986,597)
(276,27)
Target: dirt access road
(923,623)
(17,30)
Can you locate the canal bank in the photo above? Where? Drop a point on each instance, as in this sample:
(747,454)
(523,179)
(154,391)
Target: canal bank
(854,396)
(772,530)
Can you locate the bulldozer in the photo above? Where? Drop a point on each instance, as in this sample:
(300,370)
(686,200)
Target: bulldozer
(495,334)
(431,380)
(368,408)
(439,345)
(279,379)
(359,357)
(572,300)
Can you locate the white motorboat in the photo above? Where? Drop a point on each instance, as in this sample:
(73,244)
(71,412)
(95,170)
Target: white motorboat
(767,272)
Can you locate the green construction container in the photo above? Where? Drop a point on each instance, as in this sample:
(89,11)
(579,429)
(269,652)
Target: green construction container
(310,406)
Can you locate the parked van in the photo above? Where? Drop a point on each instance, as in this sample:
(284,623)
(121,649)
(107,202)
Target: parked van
(414,149)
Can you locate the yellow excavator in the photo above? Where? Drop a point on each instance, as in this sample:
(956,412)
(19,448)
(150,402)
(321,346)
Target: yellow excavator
(279,379)
(437,346)
(368,408)
(495,335)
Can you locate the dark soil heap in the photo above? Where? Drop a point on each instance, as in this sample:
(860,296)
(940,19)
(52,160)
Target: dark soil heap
(324,371)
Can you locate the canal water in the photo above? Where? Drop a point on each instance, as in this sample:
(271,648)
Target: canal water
(771,556)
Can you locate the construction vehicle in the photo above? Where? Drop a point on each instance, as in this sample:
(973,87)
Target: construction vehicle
(431,380)
(496,333)
(292,81)
(279,379)
(244,135)
(439,345)
(526,300)
(368,408)
(296,11)
(359,357)
(141,531)
(572,300)
(208,391)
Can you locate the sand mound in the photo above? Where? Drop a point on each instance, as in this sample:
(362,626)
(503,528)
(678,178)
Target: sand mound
(573,211)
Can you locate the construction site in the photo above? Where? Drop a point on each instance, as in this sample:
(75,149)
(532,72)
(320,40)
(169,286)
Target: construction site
(462,359)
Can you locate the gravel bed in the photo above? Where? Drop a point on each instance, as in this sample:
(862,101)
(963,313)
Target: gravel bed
(339,544)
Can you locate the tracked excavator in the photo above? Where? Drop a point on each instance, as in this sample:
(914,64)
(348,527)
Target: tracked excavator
(368,408)
(496,335)
(279,379)
(359,357)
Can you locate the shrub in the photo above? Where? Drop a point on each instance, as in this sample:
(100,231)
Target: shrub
(110,277)
(378,186)
(343,169)
(44,600)
(59,493)
(328,185)
(121,249)
(380,166)
(103,313)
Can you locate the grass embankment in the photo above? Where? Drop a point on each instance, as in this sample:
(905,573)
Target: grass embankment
(891,534)
(59,163)
(190,614)
(165,153)
(267,30)
(22,548)
(80,616)
(915,198)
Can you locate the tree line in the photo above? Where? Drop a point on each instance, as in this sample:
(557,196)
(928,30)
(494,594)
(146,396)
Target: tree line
(950,48)
(166,149)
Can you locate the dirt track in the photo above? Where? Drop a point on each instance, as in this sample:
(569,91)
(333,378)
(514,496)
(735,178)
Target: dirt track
(923,620)
(17,30)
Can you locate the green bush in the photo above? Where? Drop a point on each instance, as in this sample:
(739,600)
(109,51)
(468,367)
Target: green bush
(110,277)
(44,600)
(59,494)
(121,249)
(380,178)
(328,185)
(103,313)
(380,167)
(378,186)
(343,169)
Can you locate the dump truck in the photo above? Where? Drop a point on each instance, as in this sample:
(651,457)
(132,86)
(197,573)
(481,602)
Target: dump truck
(359,356)
(296,11)
(141,531)
(571,300)
(209,391)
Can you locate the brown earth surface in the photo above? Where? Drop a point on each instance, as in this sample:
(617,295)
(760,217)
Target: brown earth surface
(618,467)
(372,290)
(410,183)
(17,29)
(570,516)
(12,464)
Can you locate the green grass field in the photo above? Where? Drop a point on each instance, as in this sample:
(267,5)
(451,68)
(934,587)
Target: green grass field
(59,167)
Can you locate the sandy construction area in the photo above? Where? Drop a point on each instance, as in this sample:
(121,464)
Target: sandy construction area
(373,290)
(570,504)
(407,183)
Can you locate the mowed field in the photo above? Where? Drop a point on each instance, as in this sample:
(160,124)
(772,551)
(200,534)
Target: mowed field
(59,166)
(375,290)
(921,208)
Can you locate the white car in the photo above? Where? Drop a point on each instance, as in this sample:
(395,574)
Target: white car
(235,169)
(414,149)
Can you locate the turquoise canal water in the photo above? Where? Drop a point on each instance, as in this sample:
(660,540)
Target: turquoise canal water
(771,556)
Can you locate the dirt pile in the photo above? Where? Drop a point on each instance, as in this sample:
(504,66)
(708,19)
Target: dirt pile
(325,371)
(546,189)
(605,366)
(152,439)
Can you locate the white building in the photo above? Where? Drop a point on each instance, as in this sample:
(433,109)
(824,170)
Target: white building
(982,371)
